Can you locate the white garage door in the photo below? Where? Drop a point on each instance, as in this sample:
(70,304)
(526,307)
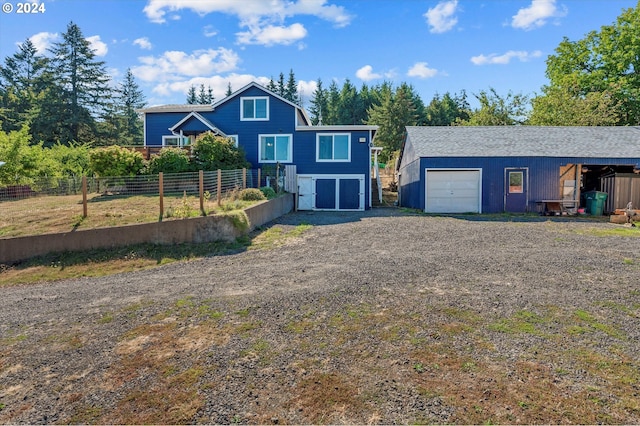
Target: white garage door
(453,191)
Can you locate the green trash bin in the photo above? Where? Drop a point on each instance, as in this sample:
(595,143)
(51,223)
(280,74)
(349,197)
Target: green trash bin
(595,202)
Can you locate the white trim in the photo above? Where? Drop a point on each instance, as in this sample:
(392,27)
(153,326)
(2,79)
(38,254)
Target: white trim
(201,119)
(361,178)
(254,99)
(465,169)
(276,160)
(174,136)
(333,141)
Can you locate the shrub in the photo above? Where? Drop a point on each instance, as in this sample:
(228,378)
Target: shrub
(115,161)
(170,160)
(211,152)
(268,192)
(252,194)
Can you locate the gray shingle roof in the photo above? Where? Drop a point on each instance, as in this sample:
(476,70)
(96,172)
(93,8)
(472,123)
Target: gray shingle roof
(525,141)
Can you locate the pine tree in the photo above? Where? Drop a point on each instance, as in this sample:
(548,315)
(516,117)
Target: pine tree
(229,91)
(281,87)
(272,86)
(22,80)
(83,84)
(192,99)
(131,98)
(330,116)
(319,104)
(205,97)
(291,89)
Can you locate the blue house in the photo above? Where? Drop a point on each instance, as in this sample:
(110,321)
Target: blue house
(332,164)
(515,168)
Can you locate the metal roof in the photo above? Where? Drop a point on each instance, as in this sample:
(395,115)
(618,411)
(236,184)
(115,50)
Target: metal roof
(524,141)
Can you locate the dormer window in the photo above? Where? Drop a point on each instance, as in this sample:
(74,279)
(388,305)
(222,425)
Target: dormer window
(254,108)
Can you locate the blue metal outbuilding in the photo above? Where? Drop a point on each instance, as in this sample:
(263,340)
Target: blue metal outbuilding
(510,168)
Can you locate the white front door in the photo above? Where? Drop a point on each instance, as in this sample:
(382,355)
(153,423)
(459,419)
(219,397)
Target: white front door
(305,193)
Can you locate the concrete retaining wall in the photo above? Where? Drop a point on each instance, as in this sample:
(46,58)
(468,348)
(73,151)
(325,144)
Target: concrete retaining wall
(193,230)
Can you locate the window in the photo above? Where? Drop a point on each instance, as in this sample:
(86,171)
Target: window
(275,148)
(175,141)
(516,185)
(234,138)
(333,147)
(254,108)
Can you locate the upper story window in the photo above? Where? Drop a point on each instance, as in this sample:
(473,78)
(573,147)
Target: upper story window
(254,108)
(333,147)
(176,141)
(275,148)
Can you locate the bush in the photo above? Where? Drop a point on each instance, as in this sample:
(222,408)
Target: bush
(252,194)
(268,192)
(115,161)
(211,152)
(170,160)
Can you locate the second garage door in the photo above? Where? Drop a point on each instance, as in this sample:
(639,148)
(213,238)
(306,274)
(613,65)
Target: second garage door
(453,191)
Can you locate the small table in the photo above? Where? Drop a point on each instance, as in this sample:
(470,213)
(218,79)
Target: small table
(558,207)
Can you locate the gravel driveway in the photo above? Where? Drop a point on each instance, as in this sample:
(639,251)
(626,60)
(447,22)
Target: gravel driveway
(367,317)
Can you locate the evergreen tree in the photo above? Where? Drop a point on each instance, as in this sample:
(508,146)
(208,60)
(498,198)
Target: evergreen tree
(22,80)
(319,104)
(229,91)
(130,99)
(348,104)
(192,98)
(447,110)
(395,111)
(291,89)
(205,97)
(83,87)
(280,90)
(330,116)
(272,86)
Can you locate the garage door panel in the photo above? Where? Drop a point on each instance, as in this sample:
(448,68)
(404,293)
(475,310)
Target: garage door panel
(452,191)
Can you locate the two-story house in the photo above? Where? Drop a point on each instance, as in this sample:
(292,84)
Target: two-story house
(332,163)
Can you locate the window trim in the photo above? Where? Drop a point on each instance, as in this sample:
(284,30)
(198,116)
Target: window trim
(276,160)
(234,138)
(254,118)
(180,144)
(333,160)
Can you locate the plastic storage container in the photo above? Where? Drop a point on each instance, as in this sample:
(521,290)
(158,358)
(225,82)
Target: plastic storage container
(595,202)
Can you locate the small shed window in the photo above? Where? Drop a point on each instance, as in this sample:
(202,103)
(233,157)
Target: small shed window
(516,185)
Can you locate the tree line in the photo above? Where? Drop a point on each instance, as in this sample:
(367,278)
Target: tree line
(68,96)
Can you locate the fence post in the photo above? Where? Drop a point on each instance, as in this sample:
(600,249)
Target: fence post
(201,185)
(258,178)
(84,196)
(277,177)
(219,187)
(244,178)
(161,191)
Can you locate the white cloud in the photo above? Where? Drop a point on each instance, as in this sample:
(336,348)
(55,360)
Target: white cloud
(366,73)
(98,46)
(264,20)
(441,18)
(270,35)
(209,31)
(43,41)
(505,58)
(143,43)
(217,83)
(421,70)
(175,65)
(537,14)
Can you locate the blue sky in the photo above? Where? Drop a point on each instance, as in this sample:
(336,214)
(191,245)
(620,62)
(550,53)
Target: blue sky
(437,46)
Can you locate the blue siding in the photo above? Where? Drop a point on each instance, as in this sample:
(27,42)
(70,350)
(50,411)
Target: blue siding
(544,177)
(282,120)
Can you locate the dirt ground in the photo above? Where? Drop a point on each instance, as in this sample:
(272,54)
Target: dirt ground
(377,317)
